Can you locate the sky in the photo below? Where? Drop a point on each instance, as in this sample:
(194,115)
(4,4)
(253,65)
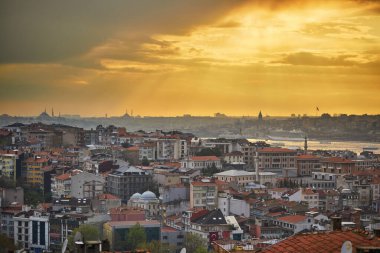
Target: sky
(199,57)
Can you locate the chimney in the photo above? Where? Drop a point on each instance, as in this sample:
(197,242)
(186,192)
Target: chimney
(336,223)
(356,217)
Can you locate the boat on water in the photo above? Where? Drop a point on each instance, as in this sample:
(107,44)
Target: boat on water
(324,142)
(370,148)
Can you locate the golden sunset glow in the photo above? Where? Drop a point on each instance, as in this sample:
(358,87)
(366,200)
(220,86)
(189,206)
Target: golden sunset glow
(177,57)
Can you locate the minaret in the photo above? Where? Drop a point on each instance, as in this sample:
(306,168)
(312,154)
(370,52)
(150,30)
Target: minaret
(305,145)
(52,112)
(257,168)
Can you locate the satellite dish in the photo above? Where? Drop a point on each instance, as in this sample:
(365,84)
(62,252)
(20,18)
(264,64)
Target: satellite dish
(64,245)
(346,247)
(183,250)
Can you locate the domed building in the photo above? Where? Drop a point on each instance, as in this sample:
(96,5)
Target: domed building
(147,201)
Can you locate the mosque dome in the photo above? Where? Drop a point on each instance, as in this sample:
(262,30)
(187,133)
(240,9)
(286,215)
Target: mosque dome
(136,196)
(148,195)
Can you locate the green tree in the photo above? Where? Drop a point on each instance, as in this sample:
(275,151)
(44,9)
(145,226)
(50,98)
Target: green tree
(158,247)
(6,244)
(209,152)
(195,243)
(145,161)
(136,236)
(89,233)
(6,182)
(201,250)
(33,196)
(209,171)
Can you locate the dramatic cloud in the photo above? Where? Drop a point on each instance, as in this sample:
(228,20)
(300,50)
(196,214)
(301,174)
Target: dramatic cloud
(173,57)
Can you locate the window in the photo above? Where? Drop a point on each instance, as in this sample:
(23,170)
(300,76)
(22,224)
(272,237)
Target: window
(165,237)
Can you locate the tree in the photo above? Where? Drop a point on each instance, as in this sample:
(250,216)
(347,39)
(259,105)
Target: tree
(136,236)
(6,182)
(209,152)
(89,233)
(145,161)
(201,250)
(158,247)
(209,171)
(33,196)
(195,243)
(6,244)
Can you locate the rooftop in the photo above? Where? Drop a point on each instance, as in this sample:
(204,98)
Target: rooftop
(292,218)
(322,242)
(204,158)
(234,173)
(275,150)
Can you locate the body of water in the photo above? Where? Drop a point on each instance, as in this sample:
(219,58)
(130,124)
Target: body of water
(357,147)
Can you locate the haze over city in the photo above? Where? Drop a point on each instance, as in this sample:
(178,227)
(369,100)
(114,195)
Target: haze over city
(172,58)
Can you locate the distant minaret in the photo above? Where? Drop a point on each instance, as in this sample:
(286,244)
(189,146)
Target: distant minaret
(305,145)
(260,117)
(52,112)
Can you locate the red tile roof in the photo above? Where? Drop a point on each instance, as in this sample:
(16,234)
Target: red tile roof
(134,148)
(338,160)
(168,229)
(199,214)
(204,158)
(63,177)
(107,196)
(307,157)
(203,184)
(292,218)
(37,160)
(322,242)
(234,153)
(275,150)
(308,191)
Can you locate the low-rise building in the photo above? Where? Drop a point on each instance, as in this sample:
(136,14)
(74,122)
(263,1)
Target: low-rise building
(240,177)
(294,224)
(116,232)
(234,157)
(201,162)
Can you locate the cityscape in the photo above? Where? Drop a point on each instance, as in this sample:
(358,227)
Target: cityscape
(177,126)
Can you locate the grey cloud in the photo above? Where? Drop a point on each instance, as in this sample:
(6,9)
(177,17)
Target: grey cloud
(50,31)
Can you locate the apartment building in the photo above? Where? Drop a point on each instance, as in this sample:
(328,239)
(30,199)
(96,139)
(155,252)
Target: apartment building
(203,195)
(277,160)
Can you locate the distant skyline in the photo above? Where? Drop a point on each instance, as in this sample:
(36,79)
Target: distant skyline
(173,57)
(59,114)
